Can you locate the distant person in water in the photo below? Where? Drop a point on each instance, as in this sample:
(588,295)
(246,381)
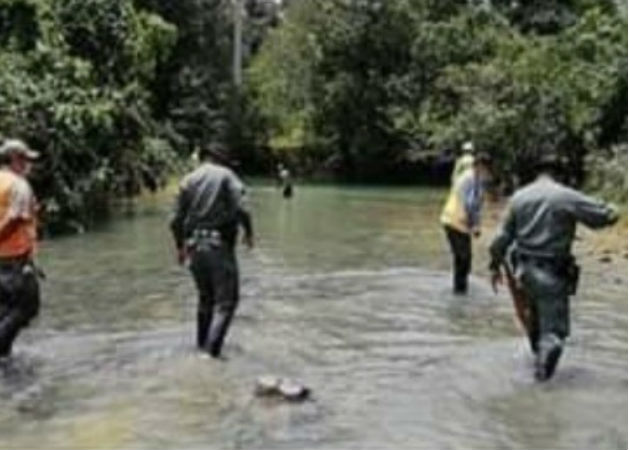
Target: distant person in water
(284,178)
(209,210)
(19,286)
(461,218)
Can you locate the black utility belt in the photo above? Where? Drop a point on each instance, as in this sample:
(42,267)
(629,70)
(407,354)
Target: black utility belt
(558,261)
(207,233)
(564,266)
(204,237)
(13,261)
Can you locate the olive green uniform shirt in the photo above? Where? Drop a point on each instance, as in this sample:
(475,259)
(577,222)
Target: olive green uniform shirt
(541,219)
(210,197)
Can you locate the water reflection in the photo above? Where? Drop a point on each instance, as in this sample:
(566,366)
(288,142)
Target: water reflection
(347,290)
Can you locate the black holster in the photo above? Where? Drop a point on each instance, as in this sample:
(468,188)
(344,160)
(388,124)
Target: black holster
(572,272)
(564,267)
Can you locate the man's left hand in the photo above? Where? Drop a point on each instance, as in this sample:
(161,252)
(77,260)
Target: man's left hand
(248,240)
(182,256)
(495,280)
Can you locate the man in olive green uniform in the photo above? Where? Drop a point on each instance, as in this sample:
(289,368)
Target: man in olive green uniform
(208,212)
(538,232)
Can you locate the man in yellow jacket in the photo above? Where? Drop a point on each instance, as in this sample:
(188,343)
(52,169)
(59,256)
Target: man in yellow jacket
(461,218)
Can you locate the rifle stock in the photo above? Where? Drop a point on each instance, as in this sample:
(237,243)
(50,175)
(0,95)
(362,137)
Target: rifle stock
(519,299)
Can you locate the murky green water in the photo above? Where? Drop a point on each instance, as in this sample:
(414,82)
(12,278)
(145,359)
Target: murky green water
(348,291)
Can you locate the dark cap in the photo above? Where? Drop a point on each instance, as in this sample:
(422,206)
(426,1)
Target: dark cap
(483,158)
(216,151)
(17,147)
(549,161)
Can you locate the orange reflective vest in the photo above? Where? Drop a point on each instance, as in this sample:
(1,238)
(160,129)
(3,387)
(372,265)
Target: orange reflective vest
(21,241)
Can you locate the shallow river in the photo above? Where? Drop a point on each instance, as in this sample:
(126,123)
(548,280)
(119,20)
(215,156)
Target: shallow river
(346,291)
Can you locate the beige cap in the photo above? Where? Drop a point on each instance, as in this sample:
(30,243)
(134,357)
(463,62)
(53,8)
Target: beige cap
(12,146)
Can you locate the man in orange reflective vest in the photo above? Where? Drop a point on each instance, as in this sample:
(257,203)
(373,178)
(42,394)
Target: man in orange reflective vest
(19,287)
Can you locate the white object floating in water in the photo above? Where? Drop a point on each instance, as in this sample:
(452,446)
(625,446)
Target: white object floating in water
(273,386)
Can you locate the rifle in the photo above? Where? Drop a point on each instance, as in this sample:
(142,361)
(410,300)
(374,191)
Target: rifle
(519,299)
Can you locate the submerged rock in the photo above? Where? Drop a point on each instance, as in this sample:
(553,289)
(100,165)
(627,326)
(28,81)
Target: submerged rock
(286,389)
(267,385)
(294,391)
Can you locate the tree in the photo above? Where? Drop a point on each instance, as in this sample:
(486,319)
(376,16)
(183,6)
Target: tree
(367,84)
(80,93)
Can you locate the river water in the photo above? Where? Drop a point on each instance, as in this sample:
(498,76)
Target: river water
(348,291)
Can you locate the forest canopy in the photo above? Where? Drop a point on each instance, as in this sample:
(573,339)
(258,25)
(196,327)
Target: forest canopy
(117,94)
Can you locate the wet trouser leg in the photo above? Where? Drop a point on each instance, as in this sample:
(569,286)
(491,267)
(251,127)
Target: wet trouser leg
(547,291)
(533,334)
(226,285)
(19,294)
(216,275)
(204,318)
(461,250)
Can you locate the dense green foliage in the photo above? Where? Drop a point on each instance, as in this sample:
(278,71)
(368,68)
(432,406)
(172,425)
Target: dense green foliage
(75,84)
(117,93)
(370,86)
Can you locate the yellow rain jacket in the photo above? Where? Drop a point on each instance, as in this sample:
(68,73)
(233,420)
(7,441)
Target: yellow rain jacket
(462,210)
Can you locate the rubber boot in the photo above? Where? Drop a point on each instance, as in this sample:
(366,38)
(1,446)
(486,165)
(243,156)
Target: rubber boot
(203,324)
(9,328)
(218,331)
(534,341)
(548,356)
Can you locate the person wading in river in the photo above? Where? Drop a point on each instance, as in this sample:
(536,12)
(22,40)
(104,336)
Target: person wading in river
(461,218)
(284,180)
(208,212)
(19,286)
(537,233)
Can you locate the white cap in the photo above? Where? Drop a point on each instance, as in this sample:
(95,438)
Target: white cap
(468,146)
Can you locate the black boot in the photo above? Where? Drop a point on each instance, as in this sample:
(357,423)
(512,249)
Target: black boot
(10,327)
(203,324)
(218,331)
(547,357)
(460,286)
(533,342)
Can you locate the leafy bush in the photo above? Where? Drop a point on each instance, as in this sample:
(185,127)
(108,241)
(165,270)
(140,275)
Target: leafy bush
(81,95)
(370,83)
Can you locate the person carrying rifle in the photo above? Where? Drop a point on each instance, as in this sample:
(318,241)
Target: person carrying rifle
(538,231)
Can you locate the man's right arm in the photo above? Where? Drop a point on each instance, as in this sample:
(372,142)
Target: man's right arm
(471,201)
(502,240)
(245,220)
(505,235)
(178,218)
